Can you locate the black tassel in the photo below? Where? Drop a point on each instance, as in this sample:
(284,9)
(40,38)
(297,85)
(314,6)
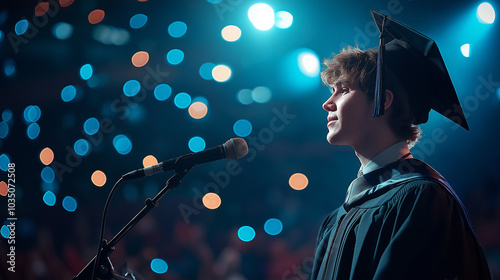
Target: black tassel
(379,100)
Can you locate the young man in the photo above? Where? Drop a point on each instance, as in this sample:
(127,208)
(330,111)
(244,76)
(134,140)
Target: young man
(400,219)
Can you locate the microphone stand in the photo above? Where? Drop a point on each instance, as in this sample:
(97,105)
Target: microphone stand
(104,269)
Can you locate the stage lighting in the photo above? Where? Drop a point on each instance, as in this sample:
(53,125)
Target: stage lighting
(309,63)
(486,13)
(465,49)
(262,16)
(283,19)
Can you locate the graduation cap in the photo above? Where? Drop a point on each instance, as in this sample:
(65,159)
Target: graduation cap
(411,64)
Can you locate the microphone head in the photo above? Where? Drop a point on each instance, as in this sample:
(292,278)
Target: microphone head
(236,148)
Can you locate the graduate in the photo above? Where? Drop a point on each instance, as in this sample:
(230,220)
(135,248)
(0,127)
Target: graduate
(400,219)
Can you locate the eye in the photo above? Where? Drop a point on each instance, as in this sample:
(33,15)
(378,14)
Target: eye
(345,90)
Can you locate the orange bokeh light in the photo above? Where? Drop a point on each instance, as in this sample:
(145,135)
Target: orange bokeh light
(211,201)
(140,59)
(4,188)
(98,178)
(149,160)
(96,16)
(41,9)
(198,110)
(65,3)
(46,156)
(298,181)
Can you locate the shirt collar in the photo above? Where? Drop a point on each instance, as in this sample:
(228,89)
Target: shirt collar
(387,156)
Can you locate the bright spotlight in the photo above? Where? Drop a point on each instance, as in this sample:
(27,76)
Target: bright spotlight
(308,63)
(283,19)
(465,48)
(262,16)
(485,13)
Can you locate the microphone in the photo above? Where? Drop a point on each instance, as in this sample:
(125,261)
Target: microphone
(234,148)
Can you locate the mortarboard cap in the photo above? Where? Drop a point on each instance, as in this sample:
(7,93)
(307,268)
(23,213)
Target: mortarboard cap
(411,64)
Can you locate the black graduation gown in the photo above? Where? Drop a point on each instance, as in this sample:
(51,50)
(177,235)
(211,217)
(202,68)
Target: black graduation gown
(402,221)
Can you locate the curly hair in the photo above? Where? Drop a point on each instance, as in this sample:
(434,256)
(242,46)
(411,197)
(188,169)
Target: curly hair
(360,66)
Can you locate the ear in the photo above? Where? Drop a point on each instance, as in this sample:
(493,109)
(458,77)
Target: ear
(389,97)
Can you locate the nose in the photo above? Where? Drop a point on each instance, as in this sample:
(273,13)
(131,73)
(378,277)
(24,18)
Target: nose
(329,104)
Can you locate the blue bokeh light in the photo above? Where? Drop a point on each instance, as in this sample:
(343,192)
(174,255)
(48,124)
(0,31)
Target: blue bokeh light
(261,94)
(81,147)
(182,100)
(5,231)
(131,88)
(159,266)
(68,93)
(62,30)
(32,113)
(4,162)
(162,92)
(177,29)
(246,233)
(69,204)
(206,71)
(9,67)
(175,56)
(21,27)
(122,144)
(49,198)
(4,129)
(214,1)
(485,13)
(86,71)
(91,126)
(244,96)
(196,144)
(138,21)
(53,187)
(7,115)
(273,226)
(262,16)
(48,174)
(33,131)
(242,128)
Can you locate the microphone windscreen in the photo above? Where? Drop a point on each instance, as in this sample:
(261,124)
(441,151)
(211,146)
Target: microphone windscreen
(236,148)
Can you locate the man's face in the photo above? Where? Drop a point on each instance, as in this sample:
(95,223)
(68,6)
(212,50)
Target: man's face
(349,114)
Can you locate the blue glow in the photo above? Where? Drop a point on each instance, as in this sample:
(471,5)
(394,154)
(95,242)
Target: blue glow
(200,99)
(137,114)
(261,94)
(246,233)
(498,93)
(91,126)
(175,56)
(196,144)
(62,30)
(9,67)
(69,204)
(33,131)
(214,1)
(283,19)
(53,187)
(48,174)
(177,29)
(465,49)
(300,72)
(1,36)
(21,27)
(242,128)
(162,92)
(130,193)
(5,231)
(7,115)
(68,93)
(122,144)
(86,71)
(182,100)
(49,198)
(131,88)
(273,226)
(244,96)
(485,13)
(159,266)
(4,129)
(262,16)
(206,71)
(138,21)
(309,63)
(81,147)
(4,162)
(32,113)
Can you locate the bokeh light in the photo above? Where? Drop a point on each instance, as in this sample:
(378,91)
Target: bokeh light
(91,126)
(261,94)
(81,147)
(198,110)
(206,71)
(221,73)
(4,162)
(283,19)
(196,144)
(486,13)
(244,96)
(262,16)
(182,100)
(48,174)
(110,35)
(149,160)
(33,131)
(46,156)
(140,58)
(298,181)
(49,198)
(7,115)
(68,93)
(96,16)
(4,129)
(175,56)
(138,21)
(21,27)
(309,63)
(32,113)
(62,30)
(41,9)
(86,71)
(242,128)
(465,49)
(273,226)
(69,204)
(5,231)
(211,201)
(159,266)
(131,88)
(4,188)
(98,178)
(65,3)
(177,29)
(231,33)
(122,144)
(246,233)
(162,92)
